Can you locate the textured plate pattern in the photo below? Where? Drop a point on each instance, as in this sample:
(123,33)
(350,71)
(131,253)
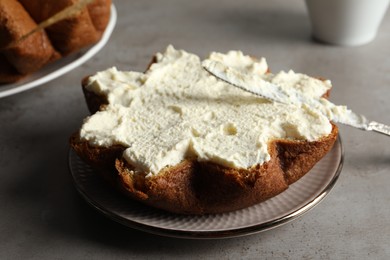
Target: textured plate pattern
(296,200)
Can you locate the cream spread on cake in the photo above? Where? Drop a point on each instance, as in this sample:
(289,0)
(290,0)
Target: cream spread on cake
(266,86)
(177,110)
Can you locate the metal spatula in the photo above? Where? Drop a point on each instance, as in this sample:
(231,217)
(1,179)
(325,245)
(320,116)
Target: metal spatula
(258,86)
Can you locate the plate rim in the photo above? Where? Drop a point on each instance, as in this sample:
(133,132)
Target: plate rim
(15,88)
(217,234)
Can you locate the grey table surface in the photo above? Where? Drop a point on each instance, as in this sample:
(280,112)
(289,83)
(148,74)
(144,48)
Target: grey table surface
(43,217)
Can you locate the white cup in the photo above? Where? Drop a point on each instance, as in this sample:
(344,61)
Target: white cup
(346,22)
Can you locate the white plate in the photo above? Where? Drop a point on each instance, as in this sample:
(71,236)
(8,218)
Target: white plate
(62,66)
(292,203)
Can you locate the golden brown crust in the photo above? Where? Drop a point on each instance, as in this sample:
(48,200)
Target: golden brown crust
(298,158)
(8,73)
(75,32)
(204,187)
(193,187)
(36,50)
(19,18)
(99,11)
(93,100)
(98,157)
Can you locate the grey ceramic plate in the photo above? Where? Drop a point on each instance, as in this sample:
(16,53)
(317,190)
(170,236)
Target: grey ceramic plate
(292,203)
